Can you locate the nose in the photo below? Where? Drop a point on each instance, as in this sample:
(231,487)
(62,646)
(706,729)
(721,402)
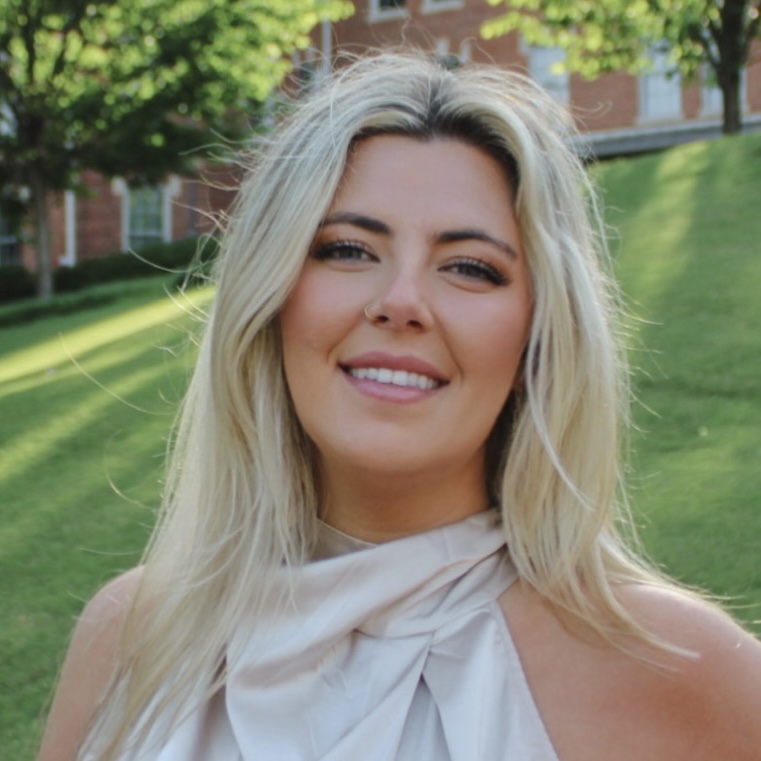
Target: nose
(401,303)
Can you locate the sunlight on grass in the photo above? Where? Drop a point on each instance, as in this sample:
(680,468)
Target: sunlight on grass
(690,263)
(59,350)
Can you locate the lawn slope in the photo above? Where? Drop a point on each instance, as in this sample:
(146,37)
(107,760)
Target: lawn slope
(689,258)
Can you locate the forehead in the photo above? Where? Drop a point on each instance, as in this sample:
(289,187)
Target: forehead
(406,176)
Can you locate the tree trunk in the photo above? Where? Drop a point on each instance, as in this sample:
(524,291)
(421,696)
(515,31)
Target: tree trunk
(733,55)
(41,224)
(730,90)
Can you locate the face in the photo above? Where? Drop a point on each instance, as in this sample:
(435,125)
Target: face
(403,337)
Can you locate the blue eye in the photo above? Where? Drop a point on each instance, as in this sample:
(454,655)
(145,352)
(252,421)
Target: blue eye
(475,269)
(342,250)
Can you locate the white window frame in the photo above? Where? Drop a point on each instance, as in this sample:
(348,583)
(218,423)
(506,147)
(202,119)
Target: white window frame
(660,95)
(169,191)
(540,62)
(376,13)
(69,259)
(436,6)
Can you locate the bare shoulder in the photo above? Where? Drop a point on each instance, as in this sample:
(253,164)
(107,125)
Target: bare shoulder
(722,681)
(694,624)
(600,703)
(89,664)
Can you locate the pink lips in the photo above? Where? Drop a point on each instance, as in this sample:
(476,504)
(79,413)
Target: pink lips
(405,362)
(387,392)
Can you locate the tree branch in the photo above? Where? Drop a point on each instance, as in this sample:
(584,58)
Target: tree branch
(73,25)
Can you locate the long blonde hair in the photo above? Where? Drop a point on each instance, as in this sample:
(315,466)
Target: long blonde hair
(241,497)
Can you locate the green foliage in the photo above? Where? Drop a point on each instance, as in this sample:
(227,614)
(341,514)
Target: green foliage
(133,87)
(612,35)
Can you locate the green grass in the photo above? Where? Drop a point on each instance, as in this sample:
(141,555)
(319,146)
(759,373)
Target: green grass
(88,394)
(86,403)
(689,258)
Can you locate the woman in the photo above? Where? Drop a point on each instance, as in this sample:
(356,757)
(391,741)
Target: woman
(411,366)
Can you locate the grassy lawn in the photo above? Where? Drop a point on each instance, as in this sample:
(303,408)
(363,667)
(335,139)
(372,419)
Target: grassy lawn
(689,258)
(86,402)
(87,398)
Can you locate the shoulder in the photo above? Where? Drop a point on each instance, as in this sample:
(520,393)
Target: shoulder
(721,682)
(90,662)
(599,702)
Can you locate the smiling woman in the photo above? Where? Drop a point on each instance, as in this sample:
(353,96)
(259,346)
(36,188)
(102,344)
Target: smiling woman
(391,523)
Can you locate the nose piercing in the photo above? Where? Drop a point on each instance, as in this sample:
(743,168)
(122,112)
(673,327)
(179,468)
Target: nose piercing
(367,312)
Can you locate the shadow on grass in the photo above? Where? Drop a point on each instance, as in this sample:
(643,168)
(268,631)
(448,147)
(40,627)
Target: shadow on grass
(693,272)
(81,462)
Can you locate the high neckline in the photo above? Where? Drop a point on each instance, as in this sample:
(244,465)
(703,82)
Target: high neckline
(331,543)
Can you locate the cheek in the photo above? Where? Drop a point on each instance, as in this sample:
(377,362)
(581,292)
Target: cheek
(312,323)
(500,341)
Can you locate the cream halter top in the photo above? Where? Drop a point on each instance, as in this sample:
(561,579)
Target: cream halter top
(390,652)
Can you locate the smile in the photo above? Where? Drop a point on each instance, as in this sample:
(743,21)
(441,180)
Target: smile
(400,378)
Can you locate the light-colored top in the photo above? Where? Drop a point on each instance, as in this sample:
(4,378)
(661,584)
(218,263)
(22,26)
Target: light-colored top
(390,652)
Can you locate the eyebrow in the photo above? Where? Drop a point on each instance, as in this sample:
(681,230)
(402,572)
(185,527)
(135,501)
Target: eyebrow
(358,220)
(453,236)
(449,236)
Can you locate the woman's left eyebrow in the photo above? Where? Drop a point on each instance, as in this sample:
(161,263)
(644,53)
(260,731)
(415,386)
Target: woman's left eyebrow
(358,220)
(455,236)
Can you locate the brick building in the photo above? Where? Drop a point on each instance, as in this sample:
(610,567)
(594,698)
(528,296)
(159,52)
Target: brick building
(110,217)
(619,113)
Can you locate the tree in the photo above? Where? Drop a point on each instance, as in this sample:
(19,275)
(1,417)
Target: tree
(609,35)
(132,88)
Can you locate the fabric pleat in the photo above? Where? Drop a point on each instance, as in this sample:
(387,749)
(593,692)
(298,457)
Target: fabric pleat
(390,652)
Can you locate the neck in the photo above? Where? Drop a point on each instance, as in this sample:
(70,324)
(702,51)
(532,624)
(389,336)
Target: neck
(379,508)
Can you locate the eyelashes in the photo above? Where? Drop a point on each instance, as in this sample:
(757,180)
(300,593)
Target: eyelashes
(477,269)
(343,250)
(467,267)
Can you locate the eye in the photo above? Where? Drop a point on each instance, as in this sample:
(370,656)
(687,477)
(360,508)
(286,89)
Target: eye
(343,250)
(476,269)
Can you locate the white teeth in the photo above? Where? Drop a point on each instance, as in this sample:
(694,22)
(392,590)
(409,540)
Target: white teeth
(394,377)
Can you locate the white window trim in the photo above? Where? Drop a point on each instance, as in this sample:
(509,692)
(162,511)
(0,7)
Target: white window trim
(526,49)
(436,6)
(466,50)
(69,259)
(376,14)
(645,118)
(170,190)
(121,190)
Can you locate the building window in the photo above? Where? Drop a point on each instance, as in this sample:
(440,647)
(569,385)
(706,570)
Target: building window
(547,67)
(146,224)
(146,212)
(10,243)
(386,10)
(660,91)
